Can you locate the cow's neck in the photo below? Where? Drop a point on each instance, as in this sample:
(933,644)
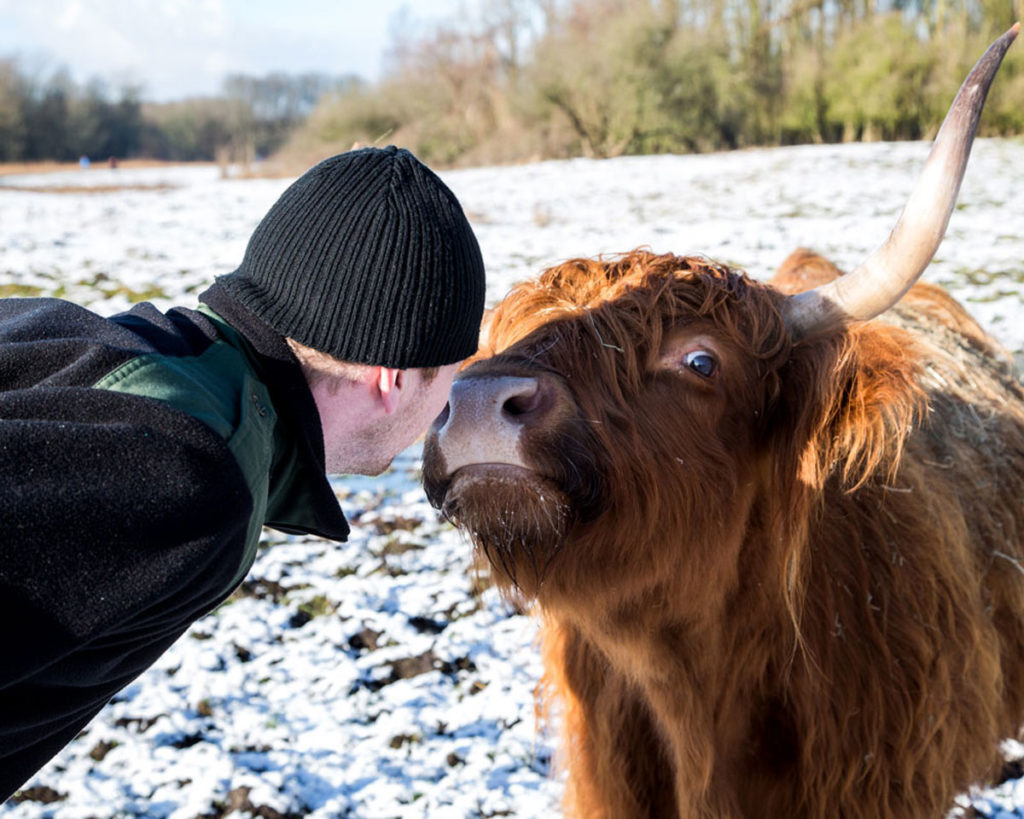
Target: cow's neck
(669,640)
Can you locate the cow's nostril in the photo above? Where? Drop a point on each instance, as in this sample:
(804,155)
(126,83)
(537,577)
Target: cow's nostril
(525,403)
(442,418)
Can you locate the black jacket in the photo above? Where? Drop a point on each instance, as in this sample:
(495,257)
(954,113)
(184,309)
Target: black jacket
(139,458)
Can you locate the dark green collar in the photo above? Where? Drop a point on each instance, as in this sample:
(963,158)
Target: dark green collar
(301,500)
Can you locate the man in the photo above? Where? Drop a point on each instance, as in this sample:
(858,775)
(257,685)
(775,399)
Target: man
(140,456)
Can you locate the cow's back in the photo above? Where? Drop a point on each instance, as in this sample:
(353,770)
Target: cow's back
(919,569)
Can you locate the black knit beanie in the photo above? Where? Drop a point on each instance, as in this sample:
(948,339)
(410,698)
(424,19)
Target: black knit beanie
(369,258)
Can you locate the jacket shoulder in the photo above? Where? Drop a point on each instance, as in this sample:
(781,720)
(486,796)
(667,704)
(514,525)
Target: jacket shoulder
(55,342)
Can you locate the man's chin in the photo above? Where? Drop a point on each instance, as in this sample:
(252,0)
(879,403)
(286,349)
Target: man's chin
(365,453)
(367,471)
(369,468)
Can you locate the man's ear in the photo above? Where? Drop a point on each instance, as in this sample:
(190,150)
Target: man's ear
(389,381)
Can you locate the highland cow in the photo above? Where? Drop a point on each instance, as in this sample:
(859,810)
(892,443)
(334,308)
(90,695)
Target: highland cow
(774,531)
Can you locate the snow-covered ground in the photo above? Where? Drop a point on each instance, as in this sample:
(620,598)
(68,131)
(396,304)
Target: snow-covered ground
(375,679)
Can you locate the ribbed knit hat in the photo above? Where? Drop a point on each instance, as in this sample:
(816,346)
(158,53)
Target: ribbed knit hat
(369,258)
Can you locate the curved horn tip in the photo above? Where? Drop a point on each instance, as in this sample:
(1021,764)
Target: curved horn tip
(871,288)
(1007,38)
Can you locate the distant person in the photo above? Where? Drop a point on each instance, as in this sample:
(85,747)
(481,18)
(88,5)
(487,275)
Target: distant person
(83,162)
(141,455)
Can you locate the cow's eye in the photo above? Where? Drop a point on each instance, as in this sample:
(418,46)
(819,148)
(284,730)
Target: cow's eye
(701,362)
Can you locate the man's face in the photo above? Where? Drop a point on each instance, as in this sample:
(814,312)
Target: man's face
(367,445)
(412,419)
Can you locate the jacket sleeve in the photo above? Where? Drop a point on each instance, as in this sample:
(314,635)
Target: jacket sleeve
(121,522)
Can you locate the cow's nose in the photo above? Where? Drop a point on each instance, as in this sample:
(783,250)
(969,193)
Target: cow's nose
(503,401)
(508,402)
(485,416)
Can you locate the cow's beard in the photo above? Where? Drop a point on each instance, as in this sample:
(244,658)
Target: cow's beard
(516,520)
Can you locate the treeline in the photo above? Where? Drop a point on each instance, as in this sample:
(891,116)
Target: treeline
(556,78)
(47,116)
(56,119)
(528,79)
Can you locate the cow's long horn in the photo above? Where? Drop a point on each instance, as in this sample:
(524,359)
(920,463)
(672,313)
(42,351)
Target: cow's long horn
(891,270)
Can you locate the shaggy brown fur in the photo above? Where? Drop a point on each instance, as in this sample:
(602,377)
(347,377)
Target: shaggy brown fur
(793,589)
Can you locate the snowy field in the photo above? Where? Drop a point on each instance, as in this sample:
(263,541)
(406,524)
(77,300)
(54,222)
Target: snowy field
(376,678)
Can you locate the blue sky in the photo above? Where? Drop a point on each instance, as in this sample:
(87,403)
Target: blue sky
(178,48)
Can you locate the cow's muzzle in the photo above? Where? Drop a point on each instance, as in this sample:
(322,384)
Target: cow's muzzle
(486,418)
